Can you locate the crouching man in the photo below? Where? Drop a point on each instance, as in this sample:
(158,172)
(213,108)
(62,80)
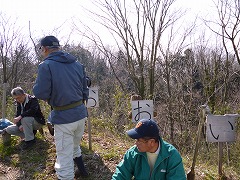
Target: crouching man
(29,117)
(151,157)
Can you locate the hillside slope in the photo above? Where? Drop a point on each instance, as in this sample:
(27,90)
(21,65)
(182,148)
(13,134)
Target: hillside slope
(107,151)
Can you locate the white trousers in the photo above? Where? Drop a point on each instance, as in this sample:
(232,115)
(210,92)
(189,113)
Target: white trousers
(67,139)
(29,124)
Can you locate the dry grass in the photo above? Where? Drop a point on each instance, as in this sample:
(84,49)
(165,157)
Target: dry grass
(107,150)
(38,162)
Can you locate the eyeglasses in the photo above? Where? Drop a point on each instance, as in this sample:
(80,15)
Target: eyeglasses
(142,141)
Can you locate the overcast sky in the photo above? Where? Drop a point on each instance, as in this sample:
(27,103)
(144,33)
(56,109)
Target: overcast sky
(46,15)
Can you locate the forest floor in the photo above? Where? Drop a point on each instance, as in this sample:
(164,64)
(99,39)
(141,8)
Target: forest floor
(38,162)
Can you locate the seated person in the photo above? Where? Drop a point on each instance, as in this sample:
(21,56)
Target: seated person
(151,157)
(29,117)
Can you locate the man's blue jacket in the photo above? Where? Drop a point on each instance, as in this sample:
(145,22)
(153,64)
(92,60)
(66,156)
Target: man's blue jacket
(61,81)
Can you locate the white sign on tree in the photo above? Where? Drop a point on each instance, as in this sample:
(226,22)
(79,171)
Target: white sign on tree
(221,128)
(93,100)
(142,109)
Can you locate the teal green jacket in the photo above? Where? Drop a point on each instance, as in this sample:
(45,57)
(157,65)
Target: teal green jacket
(168,165)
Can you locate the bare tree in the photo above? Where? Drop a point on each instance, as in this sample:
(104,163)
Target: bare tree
(16,56)
(229,23)
(175,72)
(227,27)
(139,25)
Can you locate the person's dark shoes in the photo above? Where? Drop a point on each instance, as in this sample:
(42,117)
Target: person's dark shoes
(50,128)
(34,132)
(29,144)
(81,171)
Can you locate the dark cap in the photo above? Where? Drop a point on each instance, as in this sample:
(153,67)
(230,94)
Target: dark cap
(50,41)
(144,128)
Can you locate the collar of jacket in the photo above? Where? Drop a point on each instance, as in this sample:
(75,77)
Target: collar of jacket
(163,153)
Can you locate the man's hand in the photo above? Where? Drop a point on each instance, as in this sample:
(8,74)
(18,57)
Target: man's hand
(20,128)
(16,119)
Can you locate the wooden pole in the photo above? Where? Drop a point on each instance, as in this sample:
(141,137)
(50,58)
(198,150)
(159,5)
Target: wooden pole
(228,153)
(4,101)
(89,131)
(191,174)
(4,83)
(220,156)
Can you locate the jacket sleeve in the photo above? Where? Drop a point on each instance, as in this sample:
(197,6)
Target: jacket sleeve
(42,87)
(124,169)
(175,167)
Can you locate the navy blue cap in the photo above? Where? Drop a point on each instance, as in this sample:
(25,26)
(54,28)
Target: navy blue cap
(50,41)
(144,128)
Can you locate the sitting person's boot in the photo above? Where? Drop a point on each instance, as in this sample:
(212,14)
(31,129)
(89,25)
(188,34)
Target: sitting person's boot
(81,171)
(29,144)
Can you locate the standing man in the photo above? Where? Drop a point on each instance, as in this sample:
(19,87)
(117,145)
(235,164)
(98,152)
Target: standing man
(151,158)
(29,117)
(62,83)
